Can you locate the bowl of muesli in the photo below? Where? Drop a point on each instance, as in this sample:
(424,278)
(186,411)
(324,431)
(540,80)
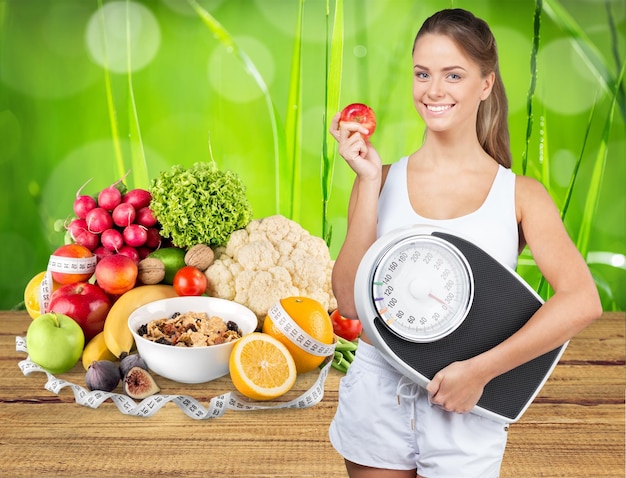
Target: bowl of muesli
(189,339)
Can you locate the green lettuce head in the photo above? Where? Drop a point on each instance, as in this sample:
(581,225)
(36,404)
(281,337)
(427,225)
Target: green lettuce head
(199,205)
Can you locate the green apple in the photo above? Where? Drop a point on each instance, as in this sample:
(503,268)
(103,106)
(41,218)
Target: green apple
(55,342)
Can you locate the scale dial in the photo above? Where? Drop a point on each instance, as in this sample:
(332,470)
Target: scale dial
(422,288)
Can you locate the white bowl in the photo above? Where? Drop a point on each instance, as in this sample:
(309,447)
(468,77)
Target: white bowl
(189,364)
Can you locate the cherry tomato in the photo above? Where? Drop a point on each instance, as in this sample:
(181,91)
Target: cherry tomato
(190,280)
(345,328)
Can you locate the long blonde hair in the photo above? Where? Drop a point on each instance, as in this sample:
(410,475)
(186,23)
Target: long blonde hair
(473,35)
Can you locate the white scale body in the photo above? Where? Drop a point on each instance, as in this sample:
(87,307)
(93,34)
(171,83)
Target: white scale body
(427,297)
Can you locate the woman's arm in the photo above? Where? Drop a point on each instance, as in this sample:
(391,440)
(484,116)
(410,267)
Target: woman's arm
(362,210)
(573,306)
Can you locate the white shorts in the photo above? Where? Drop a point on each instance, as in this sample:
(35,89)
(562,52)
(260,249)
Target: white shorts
(385,421)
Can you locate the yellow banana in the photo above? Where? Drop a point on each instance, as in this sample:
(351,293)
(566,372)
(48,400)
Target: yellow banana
(96,349)
(117,337)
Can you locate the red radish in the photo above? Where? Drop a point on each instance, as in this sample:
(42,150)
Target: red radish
(129,251)
(111,196)
(138,198)
(144,252)
(80,234)
(101,252)
(112,239)
(124,214)
(153,239)
(83,203)
(135,235)
(76,225)
(98,220)
(145,217)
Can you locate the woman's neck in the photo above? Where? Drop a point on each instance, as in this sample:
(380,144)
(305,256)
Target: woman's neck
(447,148)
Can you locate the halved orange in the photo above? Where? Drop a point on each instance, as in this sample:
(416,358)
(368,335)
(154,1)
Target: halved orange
(31,294)
(261,367)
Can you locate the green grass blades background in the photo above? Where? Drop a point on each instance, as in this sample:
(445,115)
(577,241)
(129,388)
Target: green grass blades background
(254,82)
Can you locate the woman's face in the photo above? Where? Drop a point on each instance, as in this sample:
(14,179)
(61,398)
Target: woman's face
(447,85)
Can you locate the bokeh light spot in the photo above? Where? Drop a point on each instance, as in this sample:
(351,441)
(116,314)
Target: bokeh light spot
(568,85)
(228,76)
(563,162)
(110,24)
(359,51)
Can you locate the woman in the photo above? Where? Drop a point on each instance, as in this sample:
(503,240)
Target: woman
(460,179)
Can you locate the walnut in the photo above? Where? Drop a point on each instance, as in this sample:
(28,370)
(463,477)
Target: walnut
(200,256)
(150,270)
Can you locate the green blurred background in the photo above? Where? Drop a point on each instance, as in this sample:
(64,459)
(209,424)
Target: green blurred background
(186,88)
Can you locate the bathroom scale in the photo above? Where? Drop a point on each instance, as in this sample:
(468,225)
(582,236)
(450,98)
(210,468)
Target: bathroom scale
(427,297)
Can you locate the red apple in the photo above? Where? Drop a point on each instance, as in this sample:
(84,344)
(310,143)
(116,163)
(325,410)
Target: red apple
(116,274)
(360,113)
(86,303)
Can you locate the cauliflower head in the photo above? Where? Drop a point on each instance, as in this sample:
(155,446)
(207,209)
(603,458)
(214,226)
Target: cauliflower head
(270,259)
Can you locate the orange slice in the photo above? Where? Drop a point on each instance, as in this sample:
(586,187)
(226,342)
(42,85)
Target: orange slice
(261,367)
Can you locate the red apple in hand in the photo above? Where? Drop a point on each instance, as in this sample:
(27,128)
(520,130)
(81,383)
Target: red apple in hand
(360,113)
(86,303)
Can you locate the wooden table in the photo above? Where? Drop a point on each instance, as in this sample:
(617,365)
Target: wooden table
(575,427)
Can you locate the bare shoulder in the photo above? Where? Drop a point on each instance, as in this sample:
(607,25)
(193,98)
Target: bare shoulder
(533,201)
(530,189)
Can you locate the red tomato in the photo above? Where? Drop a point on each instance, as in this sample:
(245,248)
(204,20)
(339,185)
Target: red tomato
(360,113)
(190,280)
(345,328)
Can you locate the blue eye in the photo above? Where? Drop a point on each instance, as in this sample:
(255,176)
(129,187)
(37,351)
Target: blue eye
(421,75)
(454,76)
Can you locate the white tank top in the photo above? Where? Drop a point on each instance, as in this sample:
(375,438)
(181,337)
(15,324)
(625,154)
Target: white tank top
(492,227)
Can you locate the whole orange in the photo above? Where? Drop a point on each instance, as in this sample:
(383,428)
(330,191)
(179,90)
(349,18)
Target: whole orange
(312,318)
(31,294)
(116,274)
(75,251)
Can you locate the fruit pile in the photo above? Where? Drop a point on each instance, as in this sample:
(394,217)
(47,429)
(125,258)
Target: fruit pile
(81,303)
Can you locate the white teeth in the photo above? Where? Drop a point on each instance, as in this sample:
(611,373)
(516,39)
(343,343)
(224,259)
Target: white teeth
(438,108)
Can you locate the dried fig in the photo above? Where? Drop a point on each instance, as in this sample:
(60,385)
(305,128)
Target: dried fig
(139,384)
(129,361)
(102,375)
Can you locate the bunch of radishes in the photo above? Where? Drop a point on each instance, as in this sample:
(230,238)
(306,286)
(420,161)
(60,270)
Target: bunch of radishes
(115,221)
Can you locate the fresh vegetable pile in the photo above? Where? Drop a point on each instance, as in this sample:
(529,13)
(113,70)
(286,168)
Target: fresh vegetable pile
(199,205)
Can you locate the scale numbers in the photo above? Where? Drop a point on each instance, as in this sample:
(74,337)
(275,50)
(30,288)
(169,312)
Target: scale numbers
(422,288)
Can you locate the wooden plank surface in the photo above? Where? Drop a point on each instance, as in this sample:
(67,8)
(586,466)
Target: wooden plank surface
(575,427)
